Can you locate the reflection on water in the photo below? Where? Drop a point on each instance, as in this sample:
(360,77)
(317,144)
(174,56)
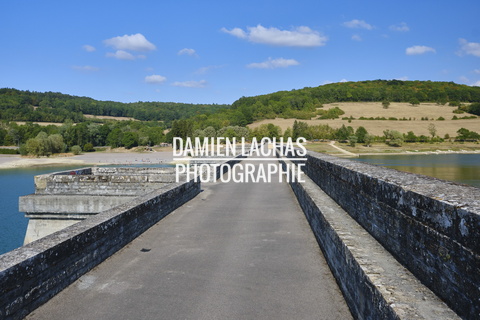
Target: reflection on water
(461,168)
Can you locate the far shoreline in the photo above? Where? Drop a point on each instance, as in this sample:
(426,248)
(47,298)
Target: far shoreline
(404,153)
(165,157)
(87,159)
(344,150)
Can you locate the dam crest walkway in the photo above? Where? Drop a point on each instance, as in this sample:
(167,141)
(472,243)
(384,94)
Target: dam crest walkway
(235,251)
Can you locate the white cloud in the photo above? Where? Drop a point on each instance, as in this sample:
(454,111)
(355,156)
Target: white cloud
(357,24)
(356,37)
(329,81)
(404,78)
(204,70)
(466,47)
(237,32)
(187,51)
(297,37)
(134,42)
(155,79)
(468,82)
(477,71)
(190,84)
(88,48)
(121,55)
(86,68)
(416,50)
(402,27)
(274,63)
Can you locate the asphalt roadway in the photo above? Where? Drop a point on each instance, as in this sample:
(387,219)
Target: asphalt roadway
(236,251)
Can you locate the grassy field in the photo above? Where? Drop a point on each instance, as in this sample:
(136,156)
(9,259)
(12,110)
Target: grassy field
(396,110)
(43,124)
(91,116)
(88,116)
(382,148)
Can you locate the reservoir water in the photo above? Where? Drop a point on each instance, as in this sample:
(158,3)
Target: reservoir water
(13,184)
(461,168)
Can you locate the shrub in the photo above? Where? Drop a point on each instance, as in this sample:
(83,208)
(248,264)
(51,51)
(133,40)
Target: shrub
(414,102)
(45,145)
(369,139)
(88,147)
(352,140)
(76,150)
(393,138)
(130,140)
(465,134)
(422,138)
(361,132)
(23,150)
(332,113)
(411,137)
(474,108)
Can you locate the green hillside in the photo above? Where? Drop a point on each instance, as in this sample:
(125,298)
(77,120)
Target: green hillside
(302,104)
(17,105)
(212,120)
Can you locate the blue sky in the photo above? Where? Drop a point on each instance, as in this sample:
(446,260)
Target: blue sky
(218,51)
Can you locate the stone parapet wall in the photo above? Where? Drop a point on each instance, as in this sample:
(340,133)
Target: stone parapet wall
(104,181)
(431,226)
(32,274)
(132,170)
(375,285)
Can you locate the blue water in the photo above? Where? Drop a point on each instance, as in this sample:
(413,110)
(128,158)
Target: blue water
(13,184)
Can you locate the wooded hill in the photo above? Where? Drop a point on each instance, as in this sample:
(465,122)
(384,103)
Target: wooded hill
(303,103)
(17,105)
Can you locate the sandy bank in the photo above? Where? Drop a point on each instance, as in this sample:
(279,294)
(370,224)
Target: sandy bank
(87,159)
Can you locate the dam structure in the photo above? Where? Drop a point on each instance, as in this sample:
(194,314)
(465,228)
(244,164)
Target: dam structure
(64,198)
(349,240)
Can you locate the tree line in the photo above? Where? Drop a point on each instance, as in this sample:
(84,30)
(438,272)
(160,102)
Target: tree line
(45,140)
(18,105)
(188,128)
